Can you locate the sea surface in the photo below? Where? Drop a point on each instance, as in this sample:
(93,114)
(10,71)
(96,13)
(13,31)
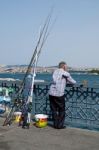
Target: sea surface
(90,80)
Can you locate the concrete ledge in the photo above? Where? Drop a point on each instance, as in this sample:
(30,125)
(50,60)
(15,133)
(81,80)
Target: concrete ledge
(14,138)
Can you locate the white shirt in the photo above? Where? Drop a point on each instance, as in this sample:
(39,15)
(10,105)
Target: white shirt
(57,88)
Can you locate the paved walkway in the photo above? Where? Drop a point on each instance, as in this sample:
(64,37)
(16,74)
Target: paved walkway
(15,138)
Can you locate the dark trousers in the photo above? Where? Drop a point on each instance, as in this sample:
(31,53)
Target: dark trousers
(57,105)
(25,120)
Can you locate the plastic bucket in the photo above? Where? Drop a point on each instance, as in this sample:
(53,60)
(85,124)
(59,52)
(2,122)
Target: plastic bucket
(41,120)
(17,116)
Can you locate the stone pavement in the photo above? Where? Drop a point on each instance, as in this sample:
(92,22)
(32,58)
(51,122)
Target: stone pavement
(15,138)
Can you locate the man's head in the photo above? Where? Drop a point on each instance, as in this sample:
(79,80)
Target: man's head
(63,65)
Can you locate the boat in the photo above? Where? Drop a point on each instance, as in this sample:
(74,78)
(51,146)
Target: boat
(9,79)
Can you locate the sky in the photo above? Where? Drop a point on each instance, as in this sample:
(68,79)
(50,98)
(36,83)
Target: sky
(74,37)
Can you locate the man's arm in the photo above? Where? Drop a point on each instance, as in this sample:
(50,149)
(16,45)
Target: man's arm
(69,79)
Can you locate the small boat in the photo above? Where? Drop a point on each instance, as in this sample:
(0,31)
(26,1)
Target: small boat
(9,79)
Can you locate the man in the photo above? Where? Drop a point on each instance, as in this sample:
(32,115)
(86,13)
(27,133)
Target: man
(56,94)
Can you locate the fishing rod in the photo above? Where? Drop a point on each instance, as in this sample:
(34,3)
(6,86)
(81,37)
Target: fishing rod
(40,44)
(41,41)
(44,33)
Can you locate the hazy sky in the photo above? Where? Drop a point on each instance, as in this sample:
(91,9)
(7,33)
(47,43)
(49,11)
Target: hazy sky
(74,37)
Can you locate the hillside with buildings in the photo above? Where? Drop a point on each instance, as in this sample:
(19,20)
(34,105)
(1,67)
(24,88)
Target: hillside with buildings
(23,68)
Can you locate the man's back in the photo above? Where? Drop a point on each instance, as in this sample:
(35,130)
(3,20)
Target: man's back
(60,78)
(59,83)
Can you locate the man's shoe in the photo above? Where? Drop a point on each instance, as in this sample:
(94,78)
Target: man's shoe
(23,127)
(63,127)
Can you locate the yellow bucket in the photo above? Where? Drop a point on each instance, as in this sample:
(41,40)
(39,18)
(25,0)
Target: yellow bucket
(41,120)
(17,116)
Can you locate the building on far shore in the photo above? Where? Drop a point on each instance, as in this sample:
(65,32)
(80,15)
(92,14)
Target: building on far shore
(23,69)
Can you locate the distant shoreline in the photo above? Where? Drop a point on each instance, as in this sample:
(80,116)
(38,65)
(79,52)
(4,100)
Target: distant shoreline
(23,68)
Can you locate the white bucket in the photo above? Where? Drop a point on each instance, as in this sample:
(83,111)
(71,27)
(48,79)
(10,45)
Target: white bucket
(41,120)
(17,116)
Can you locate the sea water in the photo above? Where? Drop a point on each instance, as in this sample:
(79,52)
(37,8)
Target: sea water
(90,80)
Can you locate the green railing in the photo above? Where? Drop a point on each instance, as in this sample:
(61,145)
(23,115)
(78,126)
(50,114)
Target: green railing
(82,104)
